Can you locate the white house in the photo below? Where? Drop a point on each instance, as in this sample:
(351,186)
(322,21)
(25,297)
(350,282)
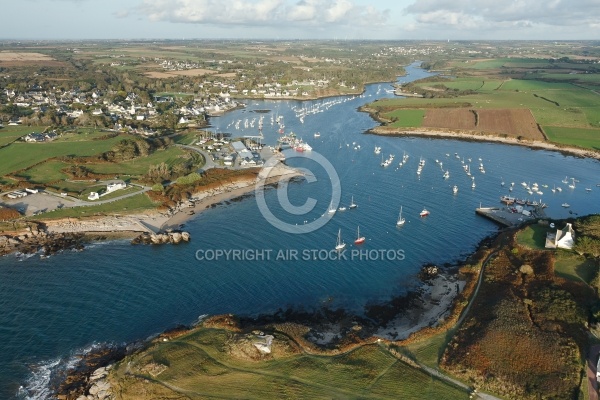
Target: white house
(562,239)
(113,186)
(93,196)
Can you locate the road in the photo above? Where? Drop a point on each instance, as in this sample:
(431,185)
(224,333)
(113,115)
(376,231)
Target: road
(591,372)
(208,161)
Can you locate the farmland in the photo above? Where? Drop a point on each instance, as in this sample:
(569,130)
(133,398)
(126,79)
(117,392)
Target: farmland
(561,97)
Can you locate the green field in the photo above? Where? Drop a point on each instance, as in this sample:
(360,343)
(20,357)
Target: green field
(49,171)
(11,133)
(533,236)
(19,156)
(406,118)
(578,108)
(573,266)
(129,205)
(200,366)
(588,138)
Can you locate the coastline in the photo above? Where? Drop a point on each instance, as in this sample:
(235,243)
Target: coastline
(475,136)
(53,235)
(434,306)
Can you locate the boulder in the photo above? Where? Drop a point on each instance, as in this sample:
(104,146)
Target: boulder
(185,236)
(175,237)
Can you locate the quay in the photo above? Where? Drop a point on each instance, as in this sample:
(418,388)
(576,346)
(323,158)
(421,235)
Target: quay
(508,216)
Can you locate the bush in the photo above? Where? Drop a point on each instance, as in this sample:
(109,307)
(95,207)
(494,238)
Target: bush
(189,179)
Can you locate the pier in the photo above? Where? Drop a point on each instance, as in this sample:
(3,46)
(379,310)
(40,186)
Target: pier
(507,216)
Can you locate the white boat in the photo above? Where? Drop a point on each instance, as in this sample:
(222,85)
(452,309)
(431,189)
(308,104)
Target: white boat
(558,189)
(446,174)
(342,208)
(589,189)
(359,239)
(377,150)
(566,180)
(424,213)
(473,184)
(331,209)
(401,220)
(352,204)
(455,189)
(566,205)
(572,185)
(317,134)
(340,244)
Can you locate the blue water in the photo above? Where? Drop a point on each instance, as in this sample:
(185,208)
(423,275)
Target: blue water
(113,292)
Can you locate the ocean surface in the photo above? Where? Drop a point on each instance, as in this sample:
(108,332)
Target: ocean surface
(53,309)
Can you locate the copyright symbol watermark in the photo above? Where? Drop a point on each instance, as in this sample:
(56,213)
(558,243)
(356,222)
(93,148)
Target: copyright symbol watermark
(274,172)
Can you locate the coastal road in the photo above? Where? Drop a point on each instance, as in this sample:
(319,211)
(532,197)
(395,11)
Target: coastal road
(208,161)
(591,372)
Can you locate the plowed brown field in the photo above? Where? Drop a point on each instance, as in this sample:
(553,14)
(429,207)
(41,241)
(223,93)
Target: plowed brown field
(512,122)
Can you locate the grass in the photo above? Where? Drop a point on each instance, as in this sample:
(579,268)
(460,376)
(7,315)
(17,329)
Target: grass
(200,366)
(575,267)
(533,236)
(18,156)
(406,118)
(428,351)
(588,138)
(129,205)
(44,173)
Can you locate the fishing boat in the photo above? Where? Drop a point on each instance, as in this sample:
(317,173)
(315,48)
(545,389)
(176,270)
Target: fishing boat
(401,220)
(424,213)
(455,189)
(317,134)
(359,239)
(352,203)
(340,244)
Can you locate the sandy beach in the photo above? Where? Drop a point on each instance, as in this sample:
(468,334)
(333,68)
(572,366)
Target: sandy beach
(534,144)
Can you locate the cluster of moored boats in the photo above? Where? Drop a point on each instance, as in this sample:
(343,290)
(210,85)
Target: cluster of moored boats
(340,244)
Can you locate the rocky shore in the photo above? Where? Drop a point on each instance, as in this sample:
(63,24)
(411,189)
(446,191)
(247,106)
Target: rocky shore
(324,330)
(35,238)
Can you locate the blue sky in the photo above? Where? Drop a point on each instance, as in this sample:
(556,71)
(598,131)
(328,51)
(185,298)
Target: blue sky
(301,19)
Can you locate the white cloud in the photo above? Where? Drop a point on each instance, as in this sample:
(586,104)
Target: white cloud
(501,15)
(274,13)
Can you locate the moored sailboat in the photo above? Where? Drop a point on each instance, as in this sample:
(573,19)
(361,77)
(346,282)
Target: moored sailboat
(359,239)
(401,220)
(340,244)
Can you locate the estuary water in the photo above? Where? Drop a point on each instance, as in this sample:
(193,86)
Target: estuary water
(54,309)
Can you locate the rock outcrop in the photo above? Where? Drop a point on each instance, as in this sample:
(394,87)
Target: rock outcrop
(174,237)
